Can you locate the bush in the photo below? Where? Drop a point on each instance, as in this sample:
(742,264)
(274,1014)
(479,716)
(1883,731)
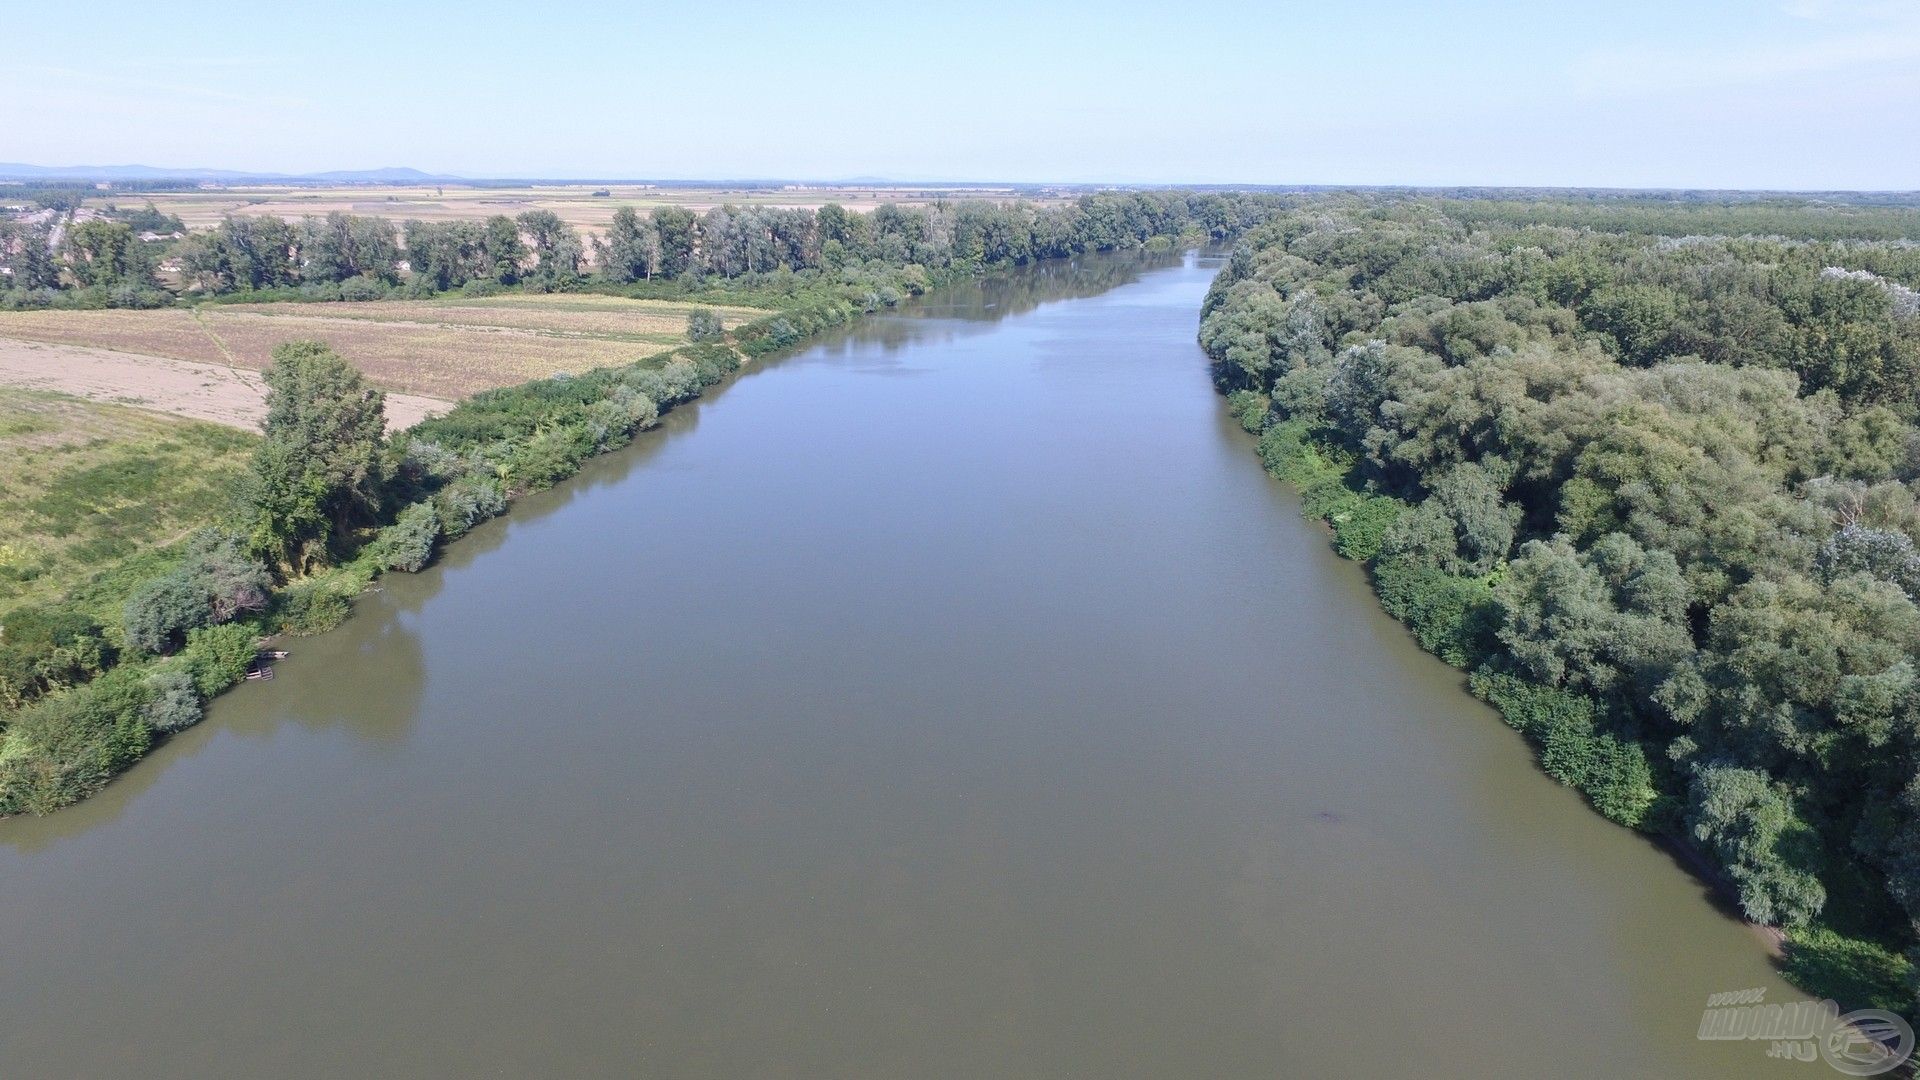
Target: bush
(175,702)
(214,583)
(1613,773)
(1359,529)
(1455,618)
(312,606)
(216,657)
(362,288)
(1328,496)
(161,613)
(1250,409)
(713,362)
(467,502)
(43,650)
(65,747)
(1289,455)
(1856,971)
(1749,822)
(549,456)
(408,543)
(703,324)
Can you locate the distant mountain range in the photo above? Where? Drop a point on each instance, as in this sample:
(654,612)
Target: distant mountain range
(390,175)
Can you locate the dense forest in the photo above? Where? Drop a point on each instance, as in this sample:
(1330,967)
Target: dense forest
(331,502)
(1658,492)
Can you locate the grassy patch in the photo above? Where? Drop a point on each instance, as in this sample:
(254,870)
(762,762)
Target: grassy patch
(85,486)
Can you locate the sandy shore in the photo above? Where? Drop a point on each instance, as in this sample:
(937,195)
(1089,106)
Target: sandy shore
(235,397)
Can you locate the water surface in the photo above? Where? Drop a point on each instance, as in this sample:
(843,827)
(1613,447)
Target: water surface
(954,698)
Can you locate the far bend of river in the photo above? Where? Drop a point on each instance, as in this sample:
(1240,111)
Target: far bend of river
(953,698)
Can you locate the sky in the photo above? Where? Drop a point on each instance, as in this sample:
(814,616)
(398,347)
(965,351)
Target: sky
(1779,94)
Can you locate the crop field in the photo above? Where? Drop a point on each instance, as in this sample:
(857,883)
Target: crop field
(576,204)
(85,484)
(443,349)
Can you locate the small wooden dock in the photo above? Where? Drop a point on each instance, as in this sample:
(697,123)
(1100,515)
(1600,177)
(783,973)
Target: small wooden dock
(259,669)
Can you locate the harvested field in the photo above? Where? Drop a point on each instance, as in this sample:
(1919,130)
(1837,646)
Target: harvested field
(444,349)
(234,397)
(84,485)
(576,204)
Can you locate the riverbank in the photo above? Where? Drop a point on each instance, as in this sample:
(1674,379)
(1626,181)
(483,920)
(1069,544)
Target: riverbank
(96,715)
(1845,962)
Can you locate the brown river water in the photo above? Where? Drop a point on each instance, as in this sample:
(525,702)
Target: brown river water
(955,697)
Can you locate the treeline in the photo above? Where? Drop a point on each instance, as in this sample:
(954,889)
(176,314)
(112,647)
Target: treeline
(331,502)
(349,257)
(1806,219)
(1658,496)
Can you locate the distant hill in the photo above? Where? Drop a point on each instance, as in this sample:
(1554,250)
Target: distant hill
(389,175)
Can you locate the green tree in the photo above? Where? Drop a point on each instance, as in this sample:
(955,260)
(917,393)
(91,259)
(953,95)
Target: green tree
(632,248)
(676,228)
(319,471)
(105,253)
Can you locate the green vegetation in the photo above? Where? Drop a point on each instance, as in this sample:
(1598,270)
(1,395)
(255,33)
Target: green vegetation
(1657,491)
(84,485)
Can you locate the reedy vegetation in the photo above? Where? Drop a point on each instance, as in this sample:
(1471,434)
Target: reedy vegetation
(1655,493)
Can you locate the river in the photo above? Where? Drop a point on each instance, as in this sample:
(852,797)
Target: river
(955,697)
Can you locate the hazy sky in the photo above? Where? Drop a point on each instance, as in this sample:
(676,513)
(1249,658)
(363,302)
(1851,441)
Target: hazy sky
(1689,93)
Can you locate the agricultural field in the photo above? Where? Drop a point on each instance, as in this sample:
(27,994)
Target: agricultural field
(438,349)
(217,393)
(576,204)
(84,485)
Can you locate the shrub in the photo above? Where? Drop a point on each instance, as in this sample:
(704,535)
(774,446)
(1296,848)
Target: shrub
(1857,971)
(235,584)
(712,363)
(1328,496)
(1749,822)
(1452,617)
(65,747)
(160,614)
(1613,773)
(549,457)
(703,324)
(218,656)
(214,583)
(430,460)
(1289,455)
(1249,409)
(312,606)
(43,650)
(1359,530)
(467,502)
(408,543)
(175,701)
(362,288)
